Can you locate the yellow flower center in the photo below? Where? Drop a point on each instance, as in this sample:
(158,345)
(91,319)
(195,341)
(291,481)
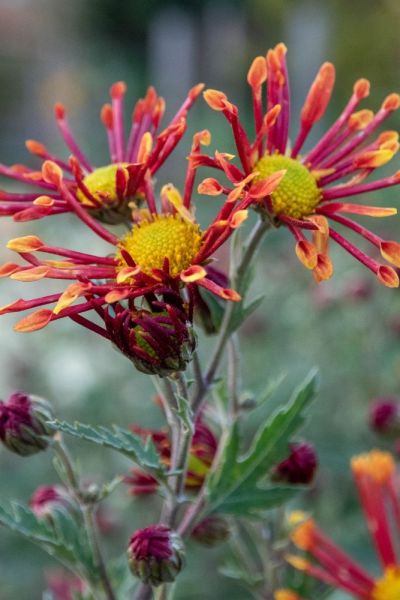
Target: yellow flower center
(165,236)
(297,195)
(388,588)
(101,181)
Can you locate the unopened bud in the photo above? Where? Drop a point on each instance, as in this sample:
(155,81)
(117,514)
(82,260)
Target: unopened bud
(23,423)
(211,531)
(299,467)
(48,499)
(384,416)
(156,554)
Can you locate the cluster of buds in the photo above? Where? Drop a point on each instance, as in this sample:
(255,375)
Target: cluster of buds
(159,340)
(23,423)
(156,554)
(202,451)
(299,467)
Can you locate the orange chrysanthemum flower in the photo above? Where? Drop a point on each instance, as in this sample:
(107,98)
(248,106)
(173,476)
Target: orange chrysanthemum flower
(313,189)
(165,250)
(375,477)
(108,192)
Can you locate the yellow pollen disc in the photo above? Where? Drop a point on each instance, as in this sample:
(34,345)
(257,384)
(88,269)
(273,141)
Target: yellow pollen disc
(387,588)
(166,236)
(101,181)
(297,195)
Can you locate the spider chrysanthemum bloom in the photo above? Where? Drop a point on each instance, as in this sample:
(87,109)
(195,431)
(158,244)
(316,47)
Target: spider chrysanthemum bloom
(166,248)
(319,181)
(375,477)
(108,192)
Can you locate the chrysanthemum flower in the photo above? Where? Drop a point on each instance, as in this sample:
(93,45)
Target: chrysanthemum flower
(109,192)
(164,249)
(319,181)
(375,477)
(201,455)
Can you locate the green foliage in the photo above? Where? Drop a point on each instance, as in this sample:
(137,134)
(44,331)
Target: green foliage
(235,485)
(142,452)
(62,536)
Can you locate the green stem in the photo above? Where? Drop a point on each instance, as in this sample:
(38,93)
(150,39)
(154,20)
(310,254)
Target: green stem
(250,250)
(87,514)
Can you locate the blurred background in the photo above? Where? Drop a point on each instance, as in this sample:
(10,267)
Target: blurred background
(350,327)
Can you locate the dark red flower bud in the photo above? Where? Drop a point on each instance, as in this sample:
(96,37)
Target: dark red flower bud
(156,554)
(211,531)
(384,416)
(49,498)
(23,423)
(300,466)
(159,341)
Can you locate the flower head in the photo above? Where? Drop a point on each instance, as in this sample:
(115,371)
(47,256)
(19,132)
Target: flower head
(108,193)
(374,474)
(203,449)
(23,423)
(300,466)
(316,184)
(156,554)
(158,341)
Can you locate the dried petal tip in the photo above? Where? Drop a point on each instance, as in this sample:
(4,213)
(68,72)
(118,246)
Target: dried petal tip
(156,555)
(211,531)
(384,416)
(299,467)
(23,423)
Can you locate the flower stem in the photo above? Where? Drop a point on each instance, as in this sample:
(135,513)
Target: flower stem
(87,514)
(250,250)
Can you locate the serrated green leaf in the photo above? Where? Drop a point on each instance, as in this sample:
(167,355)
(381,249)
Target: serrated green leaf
(62,537)
(234,487)
(142,452)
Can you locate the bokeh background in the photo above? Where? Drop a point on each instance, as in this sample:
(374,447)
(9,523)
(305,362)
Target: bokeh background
(350,327)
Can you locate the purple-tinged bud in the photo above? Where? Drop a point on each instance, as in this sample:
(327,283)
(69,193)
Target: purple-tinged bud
(23,423)
(211,531)
(50,498)
(156,554)
(384,416)
(299,467)
(159,341)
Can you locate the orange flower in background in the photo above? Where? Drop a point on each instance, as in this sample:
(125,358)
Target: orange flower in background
(317,183)
(377,483)
(109,192)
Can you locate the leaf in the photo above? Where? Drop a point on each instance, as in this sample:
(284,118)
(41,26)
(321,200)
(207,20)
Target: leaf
(142,452)
(234,487)
(62,537)
(184,412)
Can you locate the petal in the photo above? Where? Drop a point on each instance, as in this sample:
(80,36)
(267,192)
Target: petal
(34,321)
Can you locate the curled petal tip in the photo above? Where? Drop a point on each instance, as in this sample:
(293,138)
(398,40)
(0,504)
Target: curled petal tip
(257,73)
(210,187)
(306,252)
(193,273)
(215,99)
(388,276)
(106,116)
(52,173)
(34,321)
(362,88)
(118,89)
(391,102)
(27,243)
(391,252)
(36,148)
